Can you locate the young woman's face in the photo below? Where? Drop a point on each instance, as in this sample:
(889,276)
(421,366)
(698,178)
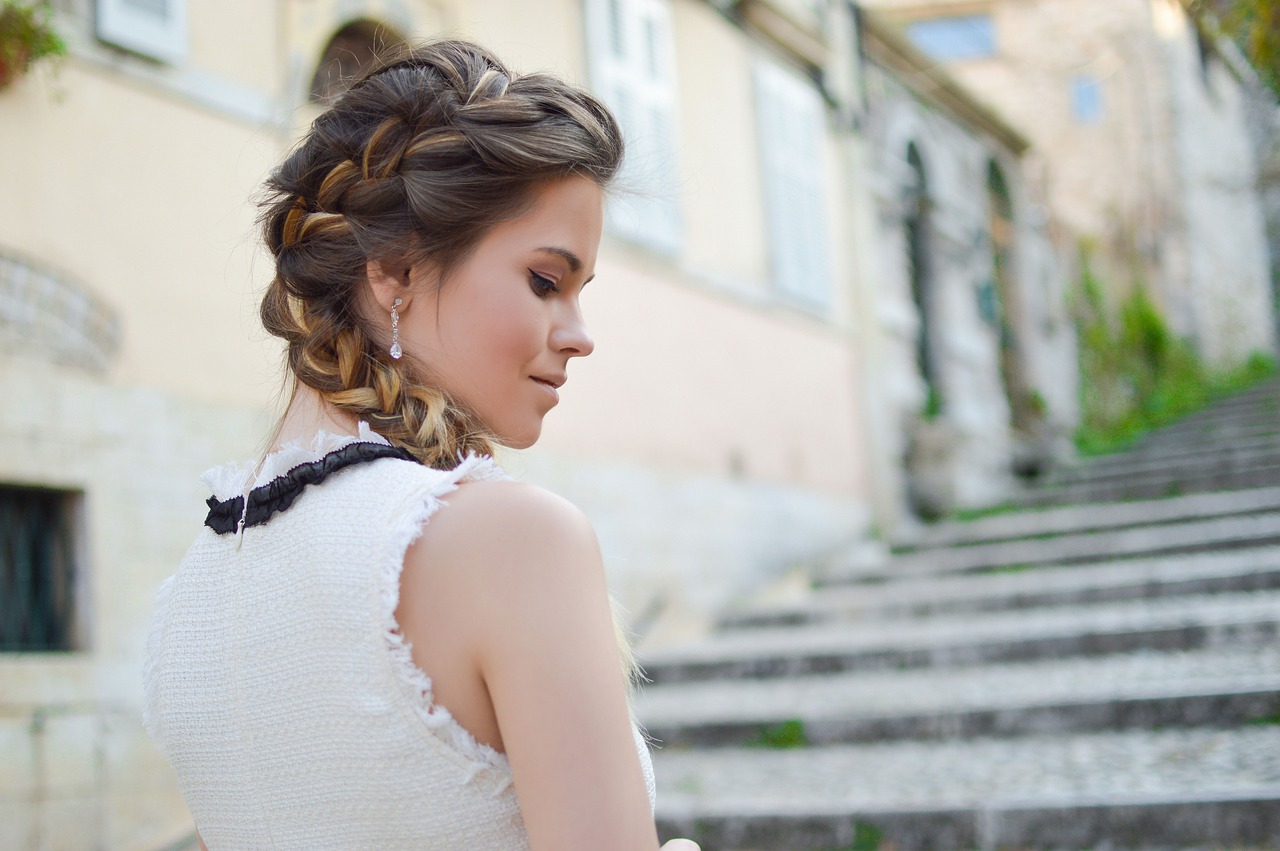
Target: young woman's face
(498,334)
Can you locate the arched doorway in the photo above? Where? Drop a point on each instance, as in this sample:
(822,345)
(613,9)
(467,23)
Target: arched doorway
(352,49)
(932,441)
(916,226)
(1022,408)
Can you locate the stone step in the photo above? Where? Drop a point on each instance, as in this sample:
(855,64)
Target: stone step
(1261,411)
(1089,518)
(1215,533)
(1130,789)
(1180,623)
(1220,687)
(1183,465)
(1153,485)
(1130,579)
(1261,390)
(1176,451)
(1260,416)
(1260,402)
(1209,435)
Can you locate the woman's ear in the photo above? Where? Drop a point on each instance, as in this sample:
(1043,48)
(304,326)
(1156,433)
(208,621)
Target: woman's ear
(386,285)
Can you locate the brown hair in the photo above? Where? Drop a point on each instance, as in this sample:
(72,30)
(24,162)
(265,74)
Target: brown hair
(415,163)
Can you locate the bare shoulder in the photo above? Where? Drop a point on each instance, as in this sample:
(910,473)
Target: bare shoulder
(483,505)
(509,535)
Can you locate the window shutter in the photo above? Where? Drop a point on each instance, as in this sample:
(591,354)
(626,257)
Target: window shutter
(632,70)
(791,122)
(154,28)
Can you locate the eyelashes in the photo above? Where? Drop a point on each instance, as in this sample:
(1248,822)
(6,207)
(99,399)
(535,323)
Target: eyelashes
(542,285)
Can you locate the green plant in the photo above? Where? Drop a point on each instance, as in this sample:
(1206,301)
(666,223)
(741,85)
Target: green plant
(787,735)
(1273,718)
(1009,568)
(932,405)
(866,837)
(967,515)
(1036,404)
(26,35)
(1136,374)
(1255,26)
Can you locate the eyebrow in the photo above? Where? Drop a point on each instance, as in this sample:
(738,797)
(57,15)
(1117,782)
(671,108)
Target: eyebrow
(574,261)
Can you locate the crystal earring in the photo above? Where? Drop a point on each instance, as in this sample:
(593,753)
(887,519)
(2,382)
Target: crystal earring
(396,351)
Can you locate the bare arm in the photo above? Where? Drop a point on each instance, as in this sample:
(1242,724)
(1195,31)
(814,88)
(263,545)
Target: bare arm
(523,568)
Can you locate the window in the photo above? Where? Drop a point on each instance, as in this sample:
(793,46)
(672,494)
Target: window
(153,28)
(1086,99)
(37,569)
(632,71)
(791,122)
(956,38)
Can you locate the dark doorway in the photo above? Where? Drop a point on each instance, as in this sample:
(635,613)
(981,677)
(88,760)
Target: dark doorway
(919,269)
(1002,234)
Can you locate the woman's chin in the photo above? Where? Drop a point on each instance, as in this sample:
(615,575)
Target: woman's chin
(522,440)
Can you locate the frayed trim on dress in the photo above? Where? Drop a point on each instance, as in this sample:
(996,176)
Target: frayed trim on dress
(228,481)
(438,718)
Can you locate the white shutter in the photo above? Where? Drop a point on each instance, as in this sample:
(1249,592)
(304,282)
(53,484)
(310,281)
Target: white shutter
(632,69)
(791,121)
(154,28)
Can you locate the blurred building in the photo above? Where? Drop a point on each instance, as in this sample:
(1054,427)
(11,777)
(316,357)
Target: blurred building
(1140,121)
(968,350)
(830,295)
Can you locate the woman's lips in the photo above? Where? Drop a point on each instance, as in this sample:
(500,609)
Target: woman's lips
(549,386)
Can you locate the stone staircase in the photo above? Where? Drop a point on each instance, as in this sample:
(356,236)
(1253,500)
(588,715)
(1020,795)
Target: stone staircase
(1231,445)
(1095,674)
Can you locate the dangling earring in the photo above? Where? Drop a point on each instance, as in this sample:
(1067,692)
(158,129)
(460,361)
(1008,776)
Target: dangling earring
(396,351)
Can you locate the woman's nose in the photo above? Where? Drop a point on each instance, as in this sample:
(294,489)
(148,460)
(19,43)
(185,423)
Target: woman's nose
(571,337)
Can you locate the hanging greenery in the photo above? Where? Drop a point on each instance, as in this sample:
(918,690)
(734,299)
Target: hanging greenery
(26,35)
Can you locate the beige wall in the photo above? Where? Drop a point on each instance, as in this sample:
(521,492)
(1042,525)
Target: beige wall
(687,378)
(144,197)
(721,192)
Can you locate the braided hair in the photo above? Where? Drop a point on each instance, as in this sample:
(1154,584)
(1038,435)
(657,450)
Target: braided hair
(415,163)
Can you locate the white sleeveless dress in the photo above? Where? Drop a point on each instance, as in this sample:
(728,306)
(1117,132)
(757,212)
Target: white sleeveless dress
(279,686)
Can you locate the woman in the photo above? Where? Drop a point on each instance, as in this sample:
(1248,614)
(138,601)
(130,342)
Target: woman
(432,235)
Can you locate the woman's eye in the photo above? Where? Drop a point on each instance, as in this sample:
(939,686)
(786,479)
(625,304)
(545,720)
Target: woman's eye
(542,286)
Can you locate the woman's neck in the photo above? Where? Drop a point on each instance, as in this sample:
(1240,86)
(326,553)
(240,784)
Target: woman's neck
(308,414)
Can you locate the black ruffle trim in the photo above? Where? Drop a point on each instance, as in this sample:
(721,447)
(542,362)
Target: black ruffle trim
(279,493)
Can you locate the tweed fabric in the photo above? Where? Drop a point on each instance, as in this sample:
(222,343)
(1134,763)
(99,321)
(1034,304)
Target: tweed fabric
(283,694)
